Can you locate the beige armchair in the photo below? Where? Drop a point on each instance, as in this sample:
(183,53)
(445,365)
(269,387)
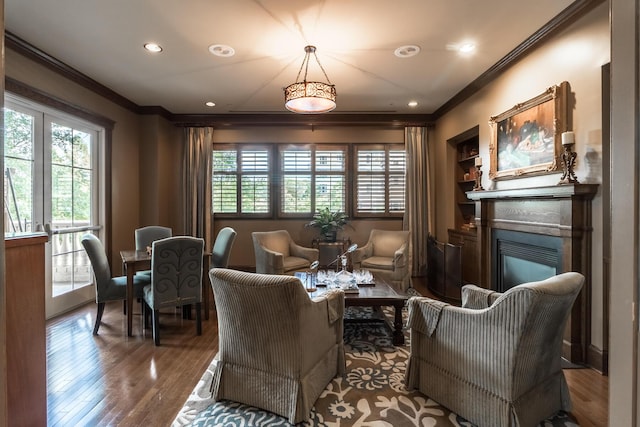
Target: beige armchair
(278,348)
(495,360)
(277,253)
(387,253)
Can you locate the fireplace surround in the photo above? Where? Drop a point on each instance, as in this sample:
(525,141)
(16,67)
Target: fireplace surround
(535,233)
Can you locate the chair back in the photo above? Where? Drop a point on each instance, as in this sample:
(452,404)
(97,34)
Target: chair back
(386,242)
(277,241)
(145,236)
(539,311)
(99,262)
(176,271)
(259,307)
(222,247)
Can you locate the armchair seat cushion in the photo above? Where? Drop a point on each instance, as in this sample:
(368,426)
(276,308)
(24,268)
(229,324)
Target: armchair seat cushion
(378,262)
(295,263)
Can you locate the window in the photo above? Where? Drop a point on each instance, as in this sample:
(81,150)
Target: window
(241,182)
(296,180)
(380,180)
(312,178)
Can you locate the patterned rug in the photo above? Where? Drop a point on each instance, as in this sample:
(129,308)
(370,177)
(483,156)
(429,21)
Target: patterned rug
(371,394)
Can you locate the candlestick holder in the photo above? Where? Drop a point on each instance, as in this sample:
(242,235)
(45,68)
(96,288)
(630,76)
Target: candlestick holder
(478,185)
(568,158)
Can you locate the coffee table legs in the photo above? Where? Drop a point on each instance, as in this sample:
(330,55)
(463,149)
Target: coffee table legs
(398,334)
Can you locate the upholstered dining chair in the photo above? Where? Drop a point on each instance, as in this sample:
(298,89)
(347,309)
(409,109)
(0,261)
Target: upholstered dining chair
(388,254)
(108,288)
(222,247)
(176,278)
(495,360)
(277,253)
(145,237)
(278,348)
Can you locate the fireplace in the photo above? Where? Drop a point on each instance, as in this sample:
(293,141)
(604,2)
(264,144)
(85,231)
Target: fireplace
(528,234)
(523,257)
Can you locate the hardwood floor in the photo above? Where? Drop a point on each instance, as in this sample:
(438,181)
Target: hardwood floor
(112,379)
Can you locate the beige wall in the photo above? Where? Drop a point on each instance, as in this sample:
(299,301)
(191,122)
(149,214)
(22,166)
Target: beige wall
(242,254)
(575,55)
(161,173)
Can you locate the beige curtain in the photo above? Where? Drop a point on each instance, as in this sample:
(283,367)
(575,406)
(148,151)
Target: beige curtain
(418,196)
(198,149)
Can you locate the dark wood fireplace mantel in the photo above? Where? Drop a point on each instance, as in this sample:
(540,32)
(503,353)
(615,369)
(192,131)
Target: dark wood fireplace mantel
(562,211)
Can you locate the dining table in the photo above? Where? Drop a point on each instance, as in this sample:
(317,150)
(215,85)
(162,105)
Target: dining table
(134,261)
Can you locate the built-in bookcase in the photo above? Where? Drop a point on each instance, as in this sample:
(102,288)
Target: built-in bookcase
(466,147)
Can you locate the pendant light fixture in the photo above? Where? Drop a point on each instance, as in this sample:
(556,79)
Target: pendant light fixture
(310,97)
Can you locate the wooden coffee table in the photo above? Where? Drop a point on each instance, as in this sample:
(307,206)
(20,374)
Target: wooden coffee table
(377,295)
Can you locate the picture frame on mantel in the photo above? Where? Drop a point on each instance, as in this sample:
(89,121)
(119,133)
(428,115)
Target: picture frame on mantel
(526,139)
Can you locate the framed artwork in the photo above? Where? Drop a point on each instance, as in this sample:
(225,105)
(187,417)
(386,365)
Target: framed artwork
(526,140)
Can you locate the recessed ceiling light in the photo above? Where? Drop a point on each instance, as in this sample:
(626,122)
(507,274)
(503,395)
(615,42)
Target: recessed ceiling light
(407,51)
(413,104)
(466,47)
(153,47)
(463,48)
(210,104)
(222,50)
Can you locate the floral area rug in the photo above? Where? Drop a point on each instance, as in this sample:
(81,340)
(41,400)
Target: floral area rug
(371,394)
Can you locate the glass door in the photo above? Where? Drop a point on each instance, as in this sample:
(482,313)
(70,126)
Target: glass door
(51,184)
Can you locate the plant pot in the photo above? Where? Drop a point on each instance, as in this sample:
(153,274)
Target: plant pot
(330,236)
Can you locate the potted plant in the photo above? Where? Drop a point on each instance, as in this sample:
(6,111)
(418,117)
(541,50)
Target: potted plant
(329,223)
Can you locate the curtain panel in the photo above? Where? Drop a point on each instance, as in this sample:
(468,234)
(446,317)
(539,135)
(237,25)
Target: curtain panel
(198,151)
(418,196)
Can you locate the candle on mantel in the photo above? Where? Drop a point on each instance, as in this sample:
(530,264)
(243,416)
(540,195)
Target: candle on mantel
(478,161)
(568,138)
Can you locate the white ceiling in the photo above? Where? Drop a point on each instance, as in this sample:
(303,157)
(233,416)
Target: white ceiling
(355,42)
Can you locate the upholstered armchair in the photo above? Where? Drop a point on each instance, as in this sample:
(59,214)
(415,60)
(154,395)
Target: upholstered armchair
(176,278)
(278,348)
(496,360)
(388,254)
(277,253)
(108,288)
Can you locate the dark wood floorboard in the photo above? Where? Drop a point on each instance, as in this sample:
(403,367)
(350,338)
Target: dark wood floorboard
(115,380)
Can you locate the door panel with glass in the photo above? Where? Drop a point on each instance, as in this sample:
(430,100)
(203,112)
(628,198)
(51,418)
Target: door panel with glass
(52,184)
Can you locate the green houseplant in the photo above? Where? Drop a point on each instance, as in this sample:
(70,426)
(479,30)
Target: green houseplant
(329,223)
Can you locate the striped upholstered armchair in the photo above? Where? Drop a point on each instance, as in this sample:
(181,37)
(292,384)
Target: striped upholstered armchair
(278,348)
(496,360)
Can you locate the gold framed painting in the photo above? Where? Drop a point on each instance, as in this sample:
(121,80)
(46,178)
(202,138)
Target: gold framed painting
(526,140)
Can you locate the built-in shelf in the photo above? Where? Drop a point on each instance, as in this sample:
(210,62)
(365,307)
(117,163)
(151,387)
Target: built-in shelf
(466,146)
